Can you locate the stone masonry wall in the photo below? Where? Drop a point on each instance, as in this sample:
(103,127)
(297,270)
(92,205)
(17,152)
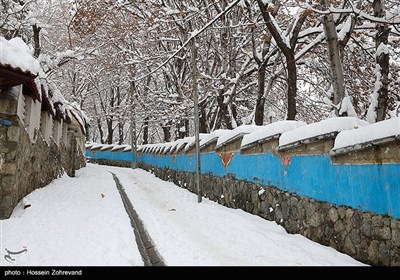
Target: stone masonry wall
(26,166)
(370,238)
(9,137)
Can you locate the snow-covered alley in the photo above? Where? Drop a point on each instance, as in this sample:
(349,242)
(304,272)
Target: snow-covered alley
(81,221)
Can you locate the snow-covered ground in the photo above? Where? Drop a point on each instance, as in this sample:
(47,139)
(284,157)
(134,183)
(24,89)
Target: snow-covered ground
(82,221)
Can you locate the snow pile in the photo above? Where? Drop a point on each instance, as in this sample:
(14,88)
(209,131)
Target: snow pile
(269,131)
(17,54)
(375,132)
(213,136)
(320,130)
(234,134)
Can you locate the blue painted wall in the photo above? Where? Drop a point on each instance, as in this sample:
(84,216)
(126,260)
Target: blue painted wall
(367,187)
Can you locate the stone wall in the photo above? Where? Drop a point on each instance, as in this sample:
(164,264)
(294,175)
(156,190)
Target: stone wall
(370,238)
(26,165)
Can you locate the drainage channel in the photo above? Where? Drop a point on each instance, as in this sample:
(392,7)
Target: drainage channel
(146,247)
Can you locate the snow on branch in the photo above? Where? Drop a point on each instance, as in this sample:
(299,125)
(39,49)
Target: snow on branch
(193,34)
(353,10)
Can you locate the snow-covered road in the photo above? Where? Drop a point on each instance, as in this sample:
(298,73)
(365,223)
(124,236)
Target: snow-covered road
(81,221)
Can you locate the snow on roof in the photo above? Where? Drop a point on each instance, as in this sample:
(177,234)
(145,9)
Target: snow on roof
(16,54)
(80,120)
(319,130)
(192,142)
(365,136)
(212,137)
(234,134)
(269,131)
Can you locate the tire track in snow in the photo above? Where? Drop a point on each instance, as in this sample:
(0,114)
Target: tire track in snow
(146,246)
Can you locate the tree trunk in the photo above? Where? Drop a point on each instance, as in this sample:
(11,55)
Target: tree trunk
(146,131)
(100,131)
(292,86)
(110,131)
(120,133)
(334,57)
(36,39)
(167,132)
(180,134)
(288,51)
(224,113)
(187,124)
(203,119)
(259,113)
(379,104)
(98,120)
(120,122)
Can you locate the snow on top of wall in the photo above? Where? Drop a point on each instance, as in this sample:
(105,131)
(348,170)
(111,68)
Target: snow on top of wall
(139,147)
(192,142)
(161,147)
(173,145)
(182,142)
(150,147)
(331,125)
(270,130)
(18,55)
(231,135)
(96,146)
(127,148)
(376,131)
(107,147)
(213,136)
(88,145)
(118,147)
(169,147)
